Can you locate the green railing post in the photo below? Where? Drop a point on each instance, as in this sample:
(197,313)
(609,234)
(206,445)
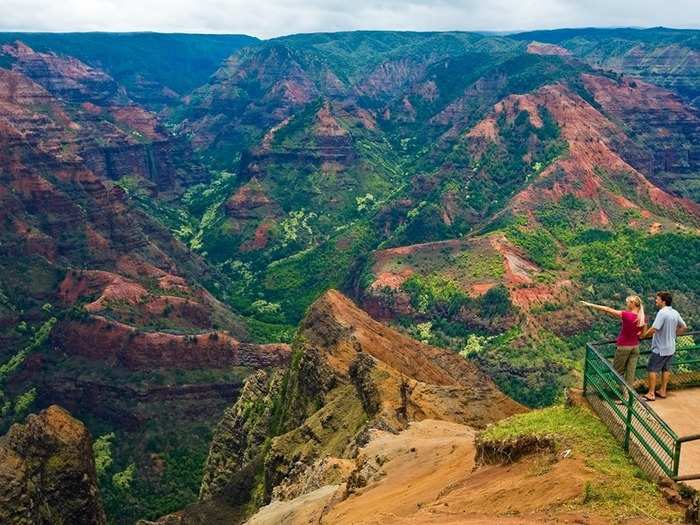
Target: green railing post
(676,458)
(628,421)
(656,441)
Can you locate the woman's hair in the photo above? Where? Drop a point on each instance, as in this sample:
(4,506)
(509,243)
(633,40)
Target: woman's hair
(636,301)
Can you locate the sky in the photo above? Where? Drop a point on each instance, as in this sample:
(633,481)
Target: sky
(269,18)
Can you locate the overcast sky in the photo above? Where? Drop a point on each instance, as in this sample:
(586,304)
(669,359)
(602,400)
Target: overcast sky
(267,18)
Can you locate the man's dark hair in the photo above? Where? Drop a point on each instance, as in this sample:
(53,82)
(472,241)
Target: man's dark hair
(666,297)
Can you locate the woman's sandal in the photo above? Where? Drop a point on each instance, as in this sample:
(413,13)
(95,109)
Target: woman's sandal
(647,398)
(659,395)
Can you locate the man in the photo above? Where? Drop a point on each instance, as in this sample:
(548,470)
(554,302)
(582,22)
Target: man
(667,325)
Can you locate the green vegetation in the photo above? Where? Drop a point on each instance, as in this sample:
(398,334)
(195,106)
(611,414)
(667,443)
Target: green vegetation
(435,294)
(102,450)
(609,264)
(304,212)
(480,266)
(295,282)
(13,409)
(539,245)
(160,483)
(610,49)
(619,488)
(533,371)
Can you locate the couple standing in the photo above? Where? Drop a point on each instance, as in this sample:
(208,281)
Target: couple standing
(667,325)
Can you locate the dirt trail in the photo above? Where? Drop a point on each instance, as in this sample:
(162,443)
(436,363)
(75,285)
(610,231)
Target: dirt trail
(426,476)
(678,410)
(420,463)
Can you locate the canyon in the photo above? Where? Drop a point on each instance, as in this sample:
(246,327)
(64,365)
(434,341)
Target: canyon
(265,264)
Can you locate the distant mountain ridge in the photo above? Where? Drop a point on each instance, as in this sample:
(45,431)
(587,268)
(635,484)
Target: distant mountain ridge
(156,68)
(667,57)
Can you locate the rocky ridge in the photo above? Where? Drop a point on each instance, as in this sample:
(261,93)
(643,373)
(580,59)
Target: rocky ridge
(47,472)
(349,374)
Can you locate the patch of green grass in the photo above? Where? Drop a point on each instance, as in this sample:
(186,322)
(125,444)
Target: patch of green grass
(481,265)
(539,244)
(620,489)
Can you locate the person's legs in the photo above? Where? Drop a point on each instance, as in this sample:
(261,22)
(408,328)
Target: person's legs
(652,386)
(621,364)
(665,375)
(631,368)
(620,361)
(657,364)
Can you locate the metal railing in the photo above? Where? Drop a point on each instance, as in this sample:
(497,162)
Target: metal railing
(648,439)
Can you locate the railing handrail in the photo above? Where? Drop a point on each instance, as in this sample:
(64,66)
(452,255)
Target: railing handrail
(634,393)
(655,441)
(613,341)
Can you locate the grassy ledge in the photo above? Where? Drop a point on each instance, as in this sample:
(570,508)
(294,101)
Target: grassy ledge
(618,488)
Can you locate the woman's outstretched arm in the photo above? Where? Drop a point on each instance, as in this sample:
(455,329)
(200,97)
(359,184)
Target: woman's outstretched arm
(605,309)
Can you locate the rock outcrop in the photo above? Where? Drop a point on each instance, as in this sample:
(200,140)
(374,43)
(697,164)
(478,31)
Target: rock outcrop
(47,472)
(349,374)
(665,127)
(107,341)
(80,113)
(66,77)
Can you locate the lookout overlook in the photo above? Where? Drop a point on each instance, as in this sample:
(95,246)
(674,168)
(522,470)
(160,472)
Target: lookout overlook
(663,436)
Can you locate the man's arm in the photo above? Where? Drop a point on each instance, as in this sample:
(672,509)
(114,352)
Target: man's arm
(655,327)
(682,327)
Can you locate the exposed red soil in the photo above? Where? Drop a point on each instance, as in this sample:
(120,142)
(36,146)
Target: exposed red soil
(138,269)
(438,370)
(251,202)
(266,143)
(479,289)
(519,275)
(138,119)
(617,96)
(326,124)
(518,269)
(486,129)
(293,91)
(96,241)
(391,280)
(91,108)
(173,282)
(260,239)
(540,48)
(64,69)
(366,118)
(391,76)
(427,475)
(115,343)
(90,282)
(592,140)
(428,90)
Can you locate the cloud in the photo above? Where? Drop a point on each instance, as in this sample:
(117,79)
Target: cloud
(279,17)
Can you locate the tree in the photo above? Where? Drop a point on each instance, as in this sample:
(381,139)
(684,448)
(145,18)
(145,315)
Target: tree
(496,302)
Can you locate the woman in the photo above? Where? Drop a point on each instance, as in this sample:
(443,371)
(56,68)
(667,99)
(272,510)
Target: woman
(631,327)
